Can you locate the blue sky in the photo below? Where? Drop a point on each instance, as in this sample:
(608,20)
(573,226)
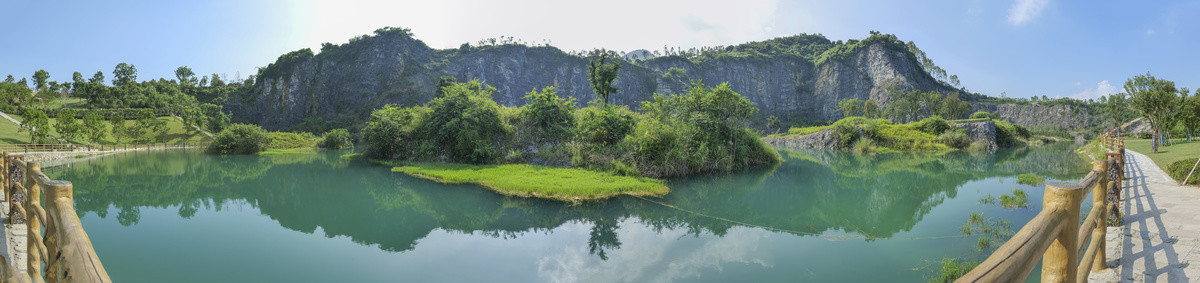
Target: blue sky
(1021,47)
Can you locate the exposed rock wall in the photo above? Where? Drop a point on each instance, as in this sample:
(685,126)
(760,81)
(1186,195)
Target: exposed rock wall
(397,69)
(1070,118)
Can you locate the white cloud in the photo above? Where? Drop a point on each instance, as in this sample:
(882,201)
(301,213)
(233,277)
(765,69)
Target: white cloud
(1150,32)
(1103,88)
(1025,10)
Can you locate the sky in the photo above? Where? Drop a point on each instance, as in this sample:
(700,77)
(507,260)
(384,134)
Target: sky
(1023,48)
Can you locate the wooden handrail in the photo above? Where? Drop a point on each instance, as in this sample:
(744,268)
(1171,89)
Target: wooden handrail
(1057,234)
(63,247)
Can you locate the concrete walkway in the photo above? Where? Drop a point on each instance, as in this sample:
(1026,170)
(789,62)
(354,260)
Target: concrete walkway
(1159,240)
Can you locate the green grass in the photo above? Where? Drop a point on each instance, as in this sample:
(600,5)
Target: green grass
(9,134)
(176,133)
(280,151)
(796,132)
(1091,151)
(537,181)
(1178,150)
(1030,179)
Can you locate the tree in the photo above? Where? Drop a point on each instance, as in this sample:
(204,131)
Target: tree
(954,81)
(216,80)
(93,127)
(953,108)
(124,74)
(1190,114)
(1116,109)
(147,123)
(870,110)
(217,120)
(444,82)
(203,81)
(602,72)
(39,79)
(905,107)
(35,121)
(1156,99)
(851,107)
(10,80)
(97,78)
(119,131)
(185,76)
(67,125)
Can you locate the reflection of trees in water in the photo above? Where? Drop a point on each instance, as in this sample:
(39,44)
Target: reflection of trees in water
(812,192)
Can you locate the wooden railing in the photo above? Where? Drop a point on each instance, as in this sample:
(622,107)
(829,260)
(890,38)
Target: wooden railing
(63,247)
(1056,234)
(27,148)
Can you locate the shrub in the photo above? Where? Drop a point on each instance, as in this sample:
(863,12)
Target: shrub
(982,115)
(390,132)
(337,139)
(549,116)
(1179,170)
(933,125)
(464,124)
(605,124)
(1009,134)
(956,139)
(240,139)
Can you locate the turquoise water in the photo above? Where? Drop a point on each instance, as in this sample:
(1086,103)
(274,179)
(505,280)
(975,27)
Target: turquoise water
(182,216)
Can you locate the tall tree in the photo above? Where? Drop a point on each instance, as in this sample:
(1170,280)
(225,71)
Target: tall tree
(36,123)
(1117,110)
(185,76)
(76,81)
(67,125)
(39,79)
(216,80)
(1156,99)
(93,127)
(10,79)
(124,74)
(119,131)
(97,78)
(602,72)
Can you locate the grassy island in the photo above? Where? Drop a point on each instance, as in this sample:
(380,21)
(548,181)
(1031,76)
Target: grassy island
(594,152)
(565,184)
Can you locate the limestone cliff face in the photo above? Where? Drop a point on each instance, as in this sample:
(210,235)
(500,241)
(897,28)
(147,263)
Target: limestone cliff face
(1065,116)
(394,68)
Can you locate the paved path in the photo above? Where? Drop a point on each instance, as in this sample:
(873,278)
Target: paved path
(1159,240)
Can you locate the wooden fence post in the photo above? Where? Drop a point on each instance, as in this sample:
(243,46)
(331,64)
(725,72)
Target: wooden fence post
(1061,259)
(54,190)
(32,198)
(1100,199)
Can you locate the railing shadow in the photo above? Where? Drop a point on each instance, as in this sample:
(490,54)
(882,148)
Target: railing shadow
(1147,213)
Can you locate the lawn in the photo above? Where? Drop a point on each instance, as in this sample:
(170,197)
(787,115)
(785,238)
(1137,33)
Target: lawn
(176,133)
(525,180)
(1166,155)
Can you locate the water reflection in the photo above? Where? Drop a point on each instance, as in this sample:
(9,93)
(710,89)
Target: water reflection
(814,192)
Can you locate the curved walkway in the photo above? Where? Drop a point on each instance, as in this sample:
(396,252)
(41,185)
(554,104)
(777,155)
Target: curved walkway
(1159,240)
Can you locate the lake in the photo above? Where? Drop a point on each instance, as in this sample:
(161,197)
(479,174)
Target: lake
(184,216)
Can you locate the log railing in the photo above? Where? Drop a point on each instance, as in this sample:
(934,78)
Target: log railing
(1056,233)
(62,249)
(27,148)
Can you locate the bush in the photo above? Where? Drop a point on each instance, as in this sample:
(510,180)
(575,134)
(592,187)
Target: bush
(933,125)
(548,116)
(847,130)
(240,139)
(982,115)
(956,139)
(337,139)
(391,132)
(1009,134)
(605,124)
(287,140)
(1179,170)
(464,124)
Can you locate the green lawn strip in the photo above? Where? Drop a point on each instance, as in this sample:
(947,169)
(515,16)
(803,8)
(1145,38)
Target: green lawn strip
(1179,149)
(564,184)
(9,134)
(796,132)
(278,151)
(176,133)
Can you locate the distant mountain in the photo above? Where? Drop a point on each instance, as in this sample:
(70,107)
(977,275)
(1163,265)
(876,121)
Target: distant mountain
(638,55)
(796,78)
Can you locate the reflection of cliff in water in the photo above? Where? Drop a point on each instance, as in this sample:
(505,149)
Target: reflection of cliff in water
(812,192)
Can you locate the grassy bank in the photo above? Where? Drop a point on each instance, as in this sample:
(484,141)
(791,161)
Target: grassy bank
(524,180)
(176,133)
(1176,159)
(932,134)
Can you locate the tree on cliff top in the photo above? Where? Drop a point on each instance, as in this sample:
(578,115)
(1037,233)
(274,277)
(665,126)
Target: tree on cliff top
(602,72)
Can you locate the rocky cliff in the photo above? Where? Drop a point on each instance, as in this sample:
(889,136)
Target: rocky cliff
(345,82)
(1065,116)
